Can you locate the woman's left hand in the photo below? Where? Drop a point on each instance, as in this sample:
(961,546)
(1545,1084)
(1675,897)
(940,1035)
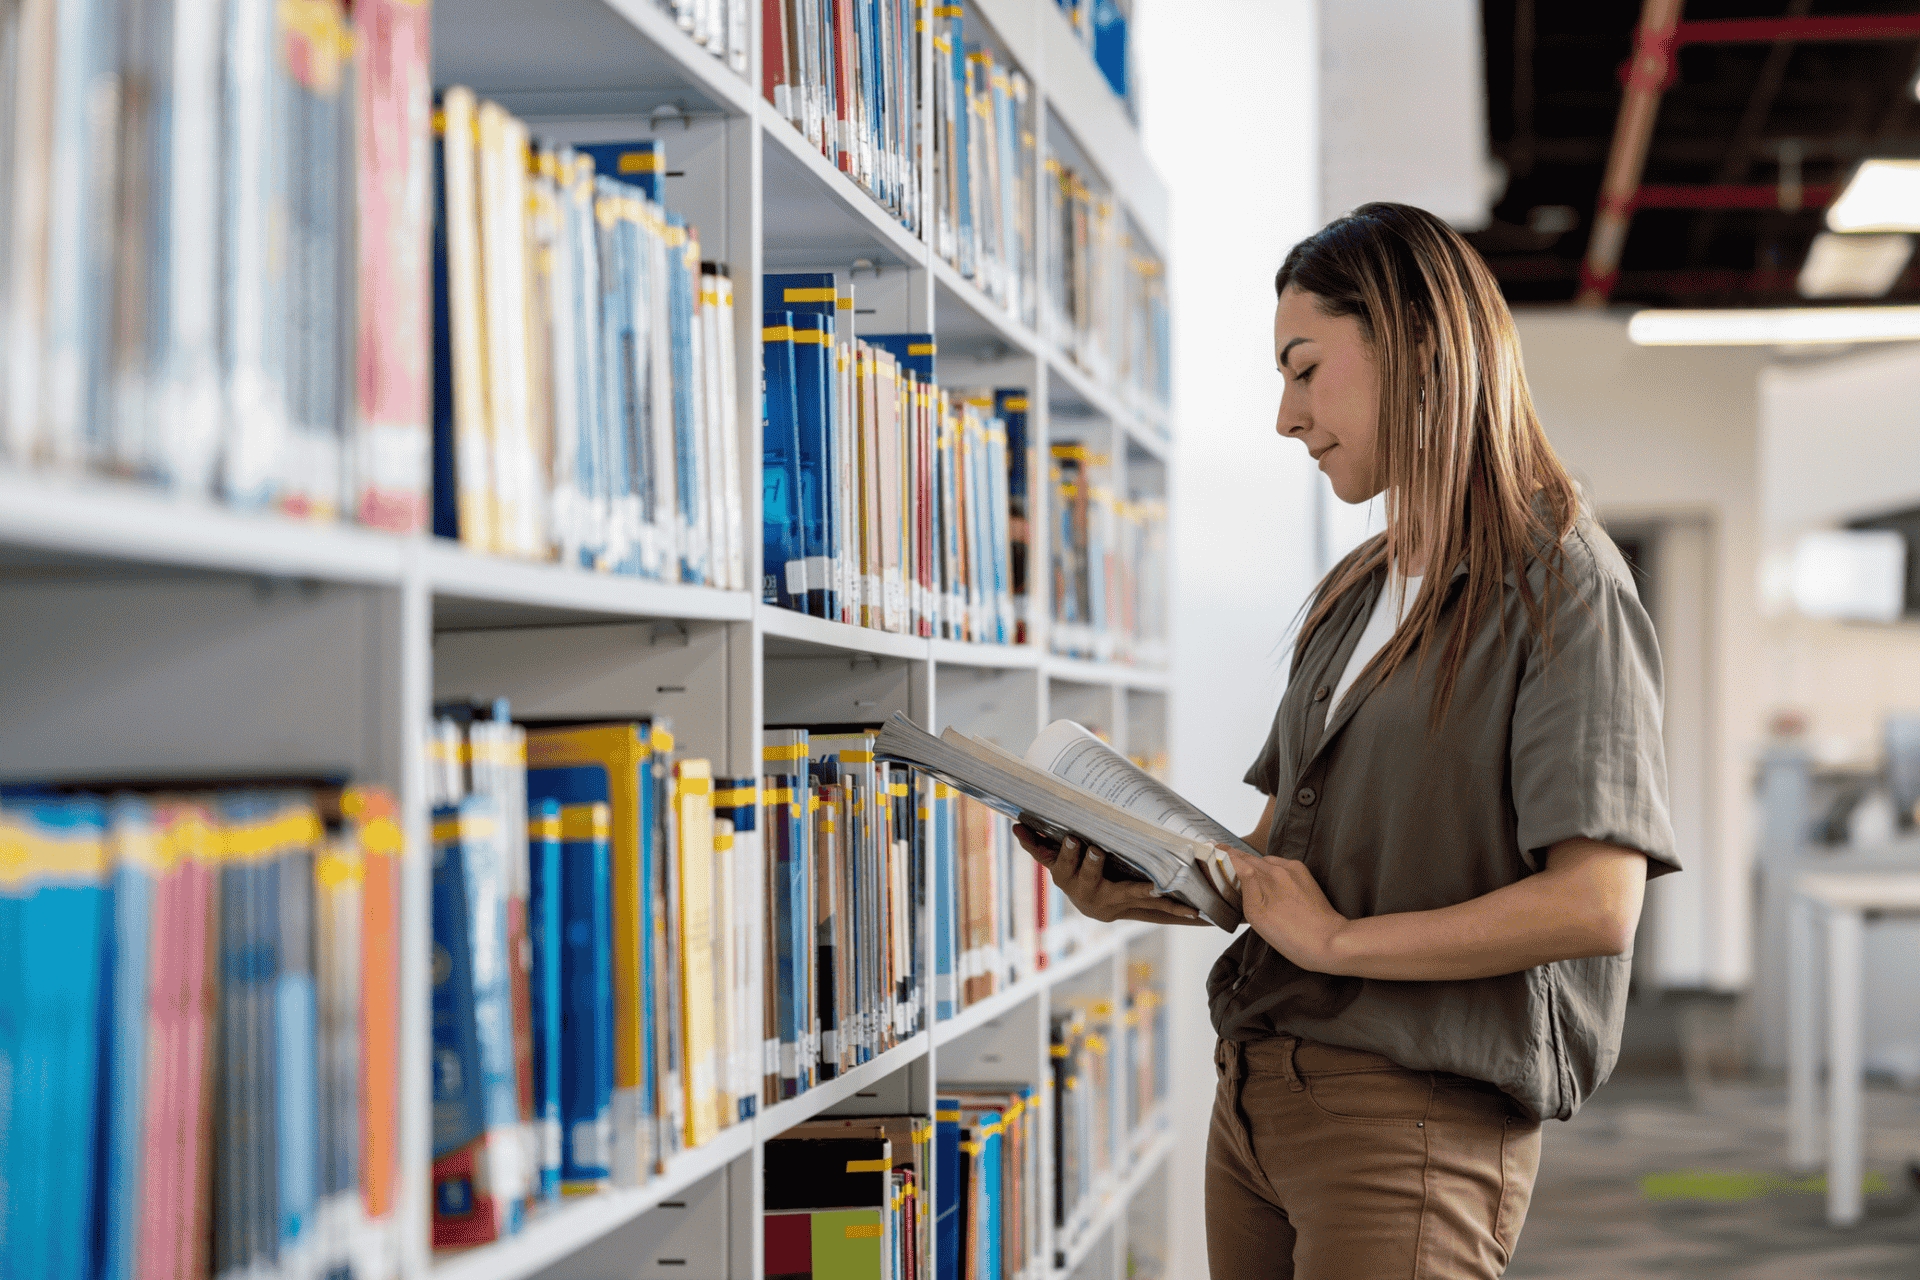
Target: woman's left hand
(1286,906)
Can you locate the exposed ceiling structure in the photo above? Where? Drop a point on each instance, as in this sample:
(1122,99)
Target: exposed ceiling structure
(1744,120)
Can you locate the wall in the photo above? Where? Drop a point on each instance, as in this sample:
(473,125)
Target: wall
(1403,109)
(1839,437)
(1664,433)
(1230,121)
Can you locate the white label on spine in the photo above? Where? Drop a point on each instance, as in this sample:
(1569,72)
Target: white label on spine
(796,577)
(819,573)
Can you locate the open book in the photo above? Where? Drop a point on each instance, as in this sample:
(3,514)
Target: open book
(1071,783)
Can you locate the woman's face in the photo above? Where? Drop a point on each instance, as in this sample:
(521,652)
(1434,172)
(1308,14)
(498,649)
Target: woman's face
(1331,403)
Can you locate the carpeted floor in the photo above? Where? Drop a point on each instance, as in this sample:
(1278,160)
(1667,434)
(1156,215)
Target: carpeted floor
(1644,1183)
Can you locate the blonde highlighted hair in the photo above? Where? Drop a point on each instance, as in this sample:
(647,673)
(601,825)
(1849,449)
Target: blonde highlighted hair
(1468,474)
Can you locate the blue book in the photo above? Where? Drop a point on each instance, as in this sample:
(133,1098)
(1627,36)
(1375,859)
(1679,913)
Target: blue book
(590,458)
(813,396)
(783,568)
(1110,44)
(476,1197)
(809,296)
(946,1183)
(784,753)
(296,1031)
(129,972)
(623,485)
(914,352)
(446,489)
(545,931)
(986,1212)
(946,904)
(55,913)
(683,280)
(586,963)
(641,164)
(962,138)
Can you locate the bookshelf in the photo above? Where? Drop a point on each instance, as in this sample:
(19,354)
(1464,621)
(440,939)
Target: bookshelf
(153,636)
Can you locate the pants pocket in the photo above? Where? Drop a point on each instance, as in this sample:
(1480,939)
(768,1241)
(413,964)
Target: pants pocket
(1519,1165)
(1388,1096)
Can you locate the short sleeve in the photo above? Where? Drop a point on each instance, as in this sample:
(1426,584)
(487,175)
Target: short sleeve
(1264,774)
(1587,754)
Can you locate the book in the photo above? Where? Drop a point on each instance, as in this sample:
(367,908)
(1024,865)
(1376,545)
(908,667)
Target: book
(783,570)
(546,926)
(587,997)
(481,1170)
(616,765)
(1071,783)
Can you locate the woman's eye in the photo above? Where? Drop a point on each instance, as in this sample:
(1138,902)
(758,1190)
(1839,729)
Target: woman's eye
(1305,373)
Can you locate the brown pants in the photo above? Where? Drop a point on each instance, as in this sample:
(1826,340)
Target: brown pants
(1333,1164)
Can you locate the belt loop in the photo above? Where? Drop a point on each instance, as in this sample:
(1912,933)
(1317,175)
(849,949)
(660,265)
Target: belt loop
(1294,1082)
(1236,1060)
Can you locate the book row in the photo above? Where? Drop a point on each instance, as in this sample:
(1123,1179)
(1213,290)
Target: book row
(984,167)
(1109,564)
(1105,299)
(847,75)
(848,1198)
(213,270)
(887,502)
(598,955)
(585,390)
(199,1033)
(1101,25)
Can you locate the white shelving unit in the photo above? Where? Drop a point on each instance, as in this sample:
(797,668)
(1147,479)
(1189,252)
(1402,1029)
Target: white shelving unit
(150,636)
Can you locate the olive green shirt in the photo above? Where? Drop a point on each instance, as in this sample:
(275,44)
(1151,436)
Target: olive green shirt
(1541,744)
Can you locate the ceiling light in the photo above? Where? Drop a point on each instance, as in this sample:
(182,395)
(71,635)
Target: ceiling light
(1856,266)
(1784,327)
(1882,195)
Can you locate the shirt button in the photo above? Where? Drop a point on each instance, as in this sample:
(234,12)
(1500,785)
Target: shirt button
(1320,694)
(1305,795)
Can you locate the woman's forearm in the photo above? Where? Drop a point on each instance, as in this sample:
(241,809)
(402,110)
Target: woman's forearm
(1584,902)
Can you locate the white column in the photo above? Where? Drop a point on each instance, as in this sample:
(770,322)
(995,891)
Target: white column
(1803,1063)
(1843,1066)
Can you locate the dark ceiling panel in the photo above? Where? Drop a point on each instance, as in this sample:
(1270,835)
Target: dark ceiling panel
(1736,114)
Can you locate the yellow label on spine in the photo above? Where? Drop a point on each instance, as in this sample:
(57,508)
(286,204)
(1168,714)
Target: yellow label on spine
(807,295)
(637,162)
(777,333)
(882,1165)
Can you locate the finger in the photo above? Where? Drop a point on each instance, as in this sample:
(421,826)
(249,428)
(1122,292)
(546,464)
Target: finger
(1066,864)
(1087,877)
(1041,852)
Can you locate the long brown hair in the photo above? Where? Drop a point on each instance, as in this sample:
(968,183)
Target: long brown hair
(1460,450)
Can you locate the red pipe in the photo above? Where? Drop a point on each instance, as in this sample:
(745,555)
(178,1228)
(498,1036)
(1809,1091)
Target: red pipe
(1731,196)
(1895,26)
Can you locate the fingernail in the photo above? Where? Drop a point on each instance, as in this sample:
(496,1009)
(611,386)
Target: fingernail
(1095,854)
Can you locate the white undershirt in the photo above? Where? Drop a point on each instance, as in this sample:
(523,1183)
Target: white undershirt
(1398,596)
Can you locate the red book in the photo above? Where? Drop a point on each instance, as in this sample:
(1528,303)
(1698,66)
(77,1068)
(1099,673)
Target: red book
(776,75)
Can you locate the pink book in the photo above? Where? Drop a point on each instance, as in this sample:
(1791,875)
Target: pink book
(393,434)
(163,1021)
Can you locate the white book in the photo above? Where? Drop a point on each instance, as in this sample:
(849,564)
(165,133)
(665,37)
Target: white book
(1071,783)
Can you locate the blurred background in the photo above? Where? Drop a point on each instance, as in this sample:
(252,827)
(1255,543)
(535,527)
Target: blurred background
(1666,194)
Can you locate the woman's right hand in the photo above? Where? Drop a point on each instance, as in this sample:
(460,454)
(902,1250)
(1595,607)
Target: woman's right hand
(1076,865)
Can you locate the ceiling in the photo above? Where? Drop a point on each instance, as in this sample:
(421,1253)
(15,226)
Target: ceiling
(1737,121)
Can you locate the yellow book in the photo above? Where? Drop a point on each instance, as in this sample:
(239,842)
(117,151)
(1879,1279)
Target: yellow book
(458,128)
(700,1074)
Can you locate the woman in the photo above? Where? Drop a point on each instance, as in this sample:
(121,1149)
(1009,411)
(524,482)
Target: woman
(1466,794)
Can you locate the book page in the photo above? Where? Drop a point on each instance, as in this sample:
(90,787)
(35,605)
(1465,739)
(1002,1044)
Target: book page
(1068,751)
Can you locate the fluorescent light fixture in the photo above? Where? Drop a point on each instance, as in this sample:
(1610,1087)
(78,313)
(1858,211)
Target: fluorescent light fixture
(1782,327)
(1855,266)
(1850,576)
(1882,195)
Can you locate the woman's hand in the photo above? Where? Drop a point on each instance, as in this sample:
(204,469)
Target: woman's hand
(1286,906)
(1075,866)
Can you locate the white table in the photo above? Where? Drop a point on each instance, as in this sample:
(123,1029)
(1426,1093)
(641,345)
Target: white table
(1842,900)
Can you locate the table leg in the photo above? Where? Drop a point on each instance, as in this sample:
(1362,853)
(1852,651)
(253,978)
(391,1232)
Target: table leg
(1803,1065)
(1844,931)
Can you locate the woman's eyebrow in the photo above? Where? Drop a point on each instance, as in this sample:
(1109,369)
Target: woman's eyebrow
(1288,350)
